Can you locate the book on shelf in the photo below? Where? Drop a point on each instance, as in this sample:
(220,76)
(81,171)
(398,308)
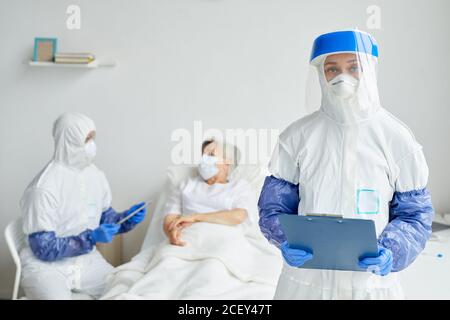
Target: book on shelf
(76,58)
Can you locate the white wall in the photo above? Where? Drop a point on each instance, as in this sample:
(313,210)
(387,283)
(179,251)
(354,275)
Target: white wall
(228,63)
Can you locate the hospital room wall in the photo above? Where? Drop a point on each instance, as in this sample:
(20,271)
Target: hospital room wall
(229,64)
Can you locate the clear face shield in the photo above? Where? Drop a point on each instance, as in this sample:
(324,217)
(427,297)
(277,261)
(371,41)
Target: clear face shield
(343,79)
(342,83)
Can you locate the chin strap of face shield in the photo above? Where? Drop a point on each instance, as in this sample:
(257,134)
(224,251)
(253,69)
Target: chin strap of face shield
(277,197)
(411,216)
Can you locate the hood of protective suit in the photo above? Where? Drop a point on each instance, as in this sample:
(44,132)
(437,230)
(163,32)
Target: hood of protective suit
(69,132)
(364,101)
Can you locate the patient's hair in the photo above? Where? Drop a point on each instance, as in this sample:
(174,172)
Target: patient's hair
(206,143)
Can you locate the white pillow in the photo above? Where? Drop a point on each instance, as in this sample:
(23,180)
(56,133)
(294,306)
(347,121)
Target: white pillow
(253,174)
(177,174)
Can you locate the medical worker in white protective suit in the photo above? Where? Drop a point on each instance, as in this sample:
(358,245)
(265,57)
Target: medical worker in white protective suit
(351,158)
(66,212)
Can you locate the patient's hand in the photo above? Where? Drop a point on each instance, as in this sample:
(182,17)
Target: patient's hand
(183,221)
(173,225)
(175,237)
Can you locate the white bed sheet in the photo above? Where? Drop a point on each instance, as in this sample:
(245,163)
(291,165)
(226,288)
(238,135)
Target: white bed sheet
(218,262)
(243,268)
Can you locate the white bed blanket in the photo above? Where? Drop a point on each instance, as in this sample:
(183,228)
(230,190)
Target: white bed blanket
(218,262)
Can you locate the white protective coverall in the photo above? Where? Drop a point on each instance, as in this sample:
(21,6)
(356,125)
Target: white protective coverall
(67,197)
(351,157)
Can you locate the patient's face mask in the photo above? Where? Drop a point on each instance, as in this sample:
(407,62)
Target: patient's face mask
(344,85)
(91,150)
(208,167)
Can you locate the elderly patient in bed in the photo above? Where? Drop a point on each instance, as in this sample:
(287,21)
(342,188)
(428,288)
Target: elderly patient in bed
(214,249)
(210,197)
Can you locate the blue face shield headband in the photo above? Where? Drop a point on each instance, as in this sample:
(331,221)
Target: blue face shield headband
(344,41)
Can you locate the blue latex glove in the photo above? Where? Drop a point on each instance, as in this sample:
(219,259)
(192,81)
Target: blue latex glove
(294,257)
(138,217)
(105,232)
(380,265)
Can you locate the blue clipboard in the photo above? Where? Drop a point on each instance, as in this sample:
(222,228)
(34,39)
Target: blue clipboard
(336,243)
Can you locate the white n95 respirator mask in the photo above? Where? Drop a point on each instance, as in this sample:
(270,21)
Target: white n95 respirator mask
(344,86)
(208,167)
(91,150)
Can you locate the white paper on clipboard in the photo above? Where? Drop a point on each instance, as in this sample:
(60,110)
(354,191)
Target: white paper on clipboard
(145,205)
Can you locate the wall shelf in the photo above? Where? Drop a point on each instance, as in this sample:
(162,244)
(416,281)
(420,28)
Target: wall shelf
(92,65)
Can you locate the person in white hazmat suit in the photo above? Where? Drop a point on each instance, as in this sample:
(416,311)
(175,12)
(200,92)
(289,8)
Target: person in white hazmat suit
(66,212)
(350,158)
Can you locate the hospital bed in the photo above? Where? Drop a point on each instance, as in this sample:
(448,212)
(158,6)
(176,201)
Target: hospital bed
(219,262)
(253,174)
